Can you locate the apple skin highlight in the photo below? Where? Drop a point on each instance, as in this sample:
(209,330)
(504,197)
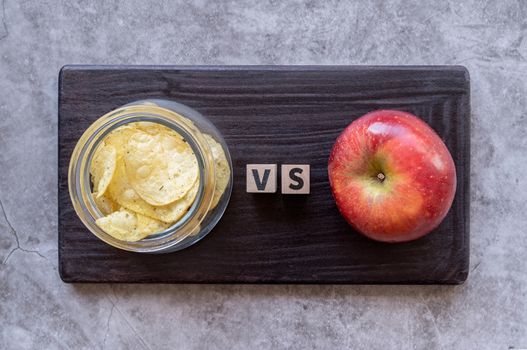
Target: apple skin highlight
(392,177)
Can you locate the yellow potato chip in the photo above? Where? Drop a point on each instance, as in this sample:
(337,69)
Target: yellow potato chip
(123,193)
(102,167)
(174,211)
(154,128)
(119,138)
(161,169)
(120,224)
(128,226)
(149,225)
(223,171)
(148,127)
(105,204)
(189,122)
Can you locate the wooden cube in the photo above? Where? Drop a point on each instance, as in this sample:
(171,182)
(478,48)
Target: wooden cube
(295,179)
(261,178)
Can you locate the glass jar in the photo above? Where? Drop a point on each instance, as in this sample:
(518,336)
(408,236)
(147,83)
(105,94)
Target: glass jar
(191,125)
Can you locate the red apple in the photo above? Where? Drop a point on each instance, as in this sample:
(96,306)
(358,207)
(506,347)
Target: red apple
(392,177)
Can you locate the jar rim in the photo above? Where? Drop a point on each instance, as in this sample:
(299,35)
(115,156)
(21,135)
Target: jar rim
(79,179)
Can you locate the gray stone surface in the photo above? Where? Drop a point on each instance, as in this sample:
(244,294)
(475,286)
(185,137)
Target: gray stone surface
(38,311)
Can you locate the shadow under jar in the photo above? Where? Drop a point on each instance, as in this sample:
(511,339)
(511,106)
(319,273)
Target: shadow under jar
(211,199)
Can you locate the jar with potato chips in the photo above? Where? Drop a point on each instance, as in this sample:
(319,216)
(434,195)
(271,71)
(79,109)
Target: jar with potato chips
(153,176)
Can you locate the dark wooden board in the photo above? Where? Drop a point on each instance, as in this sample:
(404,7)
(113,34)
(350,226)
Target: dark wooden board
(274,115)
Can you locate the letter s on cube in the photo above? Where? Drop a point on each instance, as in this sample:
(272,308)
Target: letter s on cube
(295,179)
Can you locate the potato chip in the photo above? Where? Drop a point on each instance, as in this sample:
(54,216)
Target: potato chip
(174,211)
(150,226)
(105,204)
(122,192)
(128,226)
(120,224)
(102,167)
(155,129)
(119,138)
(161,169)
(149,127)
(223,171)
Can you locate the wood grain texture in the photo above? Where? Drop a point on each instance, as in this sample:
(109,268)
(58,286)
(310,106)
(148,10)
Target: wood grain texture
(283,115)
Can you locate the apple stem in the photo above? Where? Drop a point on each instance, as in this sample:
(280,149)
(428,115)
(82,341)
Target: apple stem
(381,177)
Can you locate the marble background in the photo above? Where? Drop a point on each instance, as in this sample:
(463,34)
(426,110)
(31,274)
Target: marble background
(38,311)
